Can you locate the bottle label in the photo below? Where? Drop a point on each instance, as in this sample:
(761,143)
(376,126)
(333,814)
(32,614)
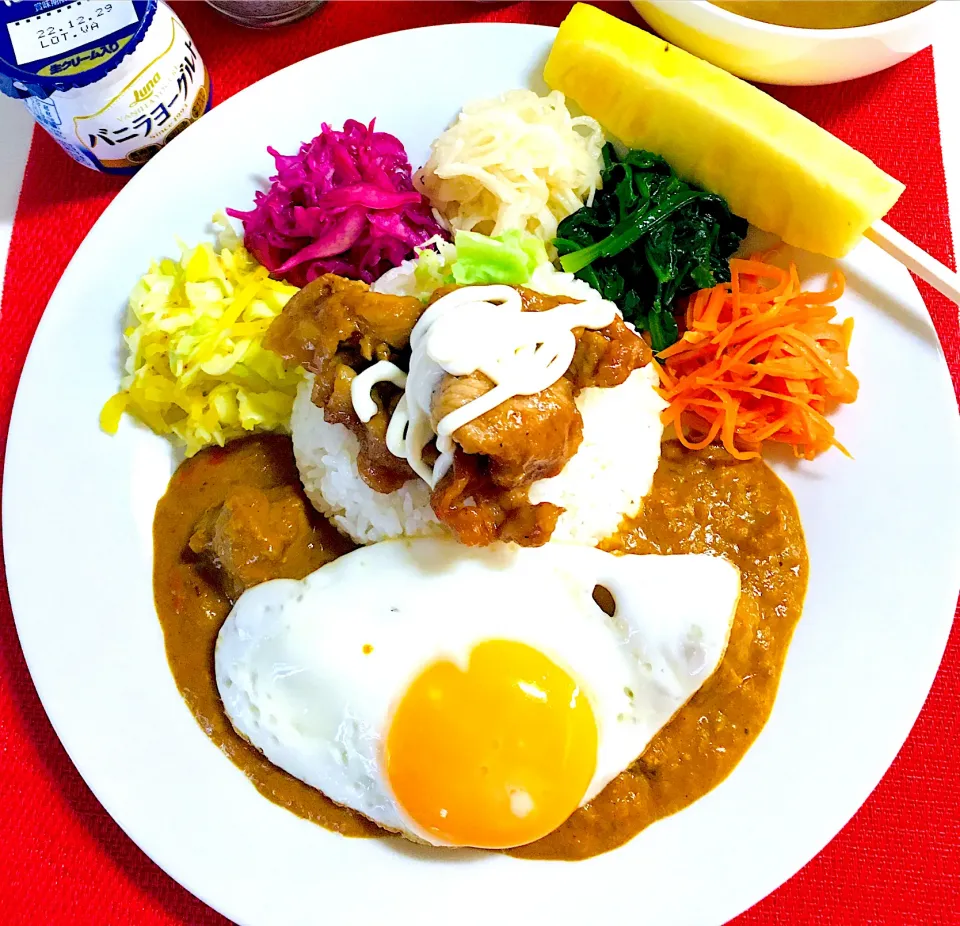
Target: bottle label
(119,122)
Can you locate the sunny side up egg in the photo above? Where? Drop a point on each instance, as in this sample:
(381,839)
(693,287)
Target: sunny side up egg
(471,697)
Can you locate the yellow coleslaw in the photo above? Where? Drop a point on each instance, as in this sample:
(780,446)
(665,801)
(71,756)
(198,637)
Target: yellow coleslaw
(196,370)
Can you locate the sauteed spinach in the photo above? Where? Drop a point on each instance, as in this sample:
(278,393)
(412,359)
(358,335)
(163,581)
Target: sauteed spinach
(647,239)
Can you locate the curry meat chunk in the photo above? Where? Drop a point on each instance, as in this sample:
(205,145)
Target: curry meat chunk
(254,535)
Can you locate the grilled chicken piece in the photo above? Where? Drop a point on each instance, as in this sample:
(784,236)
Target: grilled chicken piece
(526,438)
(539,302)
(478,512)
(378,467)
(607,356)
(456,391)
(334,327)
(530,525)
(604,357)
(243,539)
(334,320)
(502,452)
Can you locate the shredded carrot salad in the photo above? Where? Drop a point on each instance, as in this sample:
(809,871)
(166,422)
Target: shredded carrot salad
(760,360)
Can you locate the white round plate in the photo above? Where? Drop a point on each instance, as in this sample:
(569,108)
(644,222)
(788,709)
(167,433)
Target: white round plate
(882,532)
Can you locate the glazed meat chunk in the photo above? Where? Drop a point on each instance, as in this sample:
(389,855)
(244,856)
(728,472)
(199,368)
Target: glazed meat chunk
(526,438)
(334,321)
(607,356)
(479,512)
(334,327)
(378,467)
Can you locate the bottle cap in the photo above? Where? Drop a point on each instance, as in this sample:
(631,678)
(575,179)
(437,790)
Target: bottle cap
(49,46)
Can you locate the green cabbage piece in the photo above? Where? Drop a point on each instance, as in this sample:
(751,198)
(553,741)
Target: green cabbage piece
(473,259)
(508,258)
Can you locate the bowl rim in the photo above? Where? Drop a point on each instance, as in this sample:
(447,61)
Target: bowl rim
(868,30)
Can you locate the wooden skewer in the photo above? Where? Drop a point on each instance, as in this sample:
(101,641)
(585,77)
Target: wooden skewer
(941,278)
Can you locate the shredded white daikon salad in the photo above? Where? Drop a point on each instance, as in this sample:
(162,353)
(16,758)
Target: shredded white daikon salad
(517,162)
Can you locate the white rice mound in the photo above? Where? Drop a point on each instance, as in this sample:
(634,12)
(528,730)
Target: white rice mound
(326,456)
(604,482)
(607,478)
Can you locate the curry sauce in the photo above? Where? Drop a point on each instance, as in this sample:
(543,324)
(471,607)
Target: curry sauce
(700,502)
(192,607)
(704,502)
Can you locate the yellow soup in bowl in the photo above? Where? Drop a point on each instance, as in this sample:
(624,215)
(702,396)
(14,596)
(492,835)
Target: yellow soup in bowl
(821,14)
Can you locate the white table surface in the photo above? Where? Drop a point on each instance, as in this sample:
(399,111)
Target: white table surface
(16,127)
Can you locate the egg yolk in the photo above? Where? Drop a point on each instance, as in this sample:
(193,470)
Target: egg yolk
(495,756)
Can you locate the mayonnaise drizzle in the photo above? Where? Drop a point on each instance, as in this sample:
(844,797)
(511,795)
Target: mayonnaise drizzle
(474,329)
(383,371)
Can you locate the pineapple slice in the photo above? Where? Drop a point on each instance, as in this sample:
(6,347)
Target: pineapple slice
(777,169)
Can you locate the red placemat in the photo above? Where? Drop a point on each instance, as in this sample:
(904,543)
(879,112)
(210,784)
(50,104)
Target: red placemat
(64,861)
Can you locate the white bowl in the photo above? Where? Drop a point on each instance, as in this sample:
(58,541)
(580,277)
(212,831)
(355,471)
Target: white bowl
(784,54)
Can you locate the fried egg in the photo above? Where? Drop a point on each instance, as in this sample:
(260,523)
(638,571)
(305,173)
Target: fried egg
(471,697)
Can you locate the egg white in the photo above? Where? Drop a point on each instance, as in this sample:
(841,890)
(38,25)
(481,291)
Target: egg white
(310,671)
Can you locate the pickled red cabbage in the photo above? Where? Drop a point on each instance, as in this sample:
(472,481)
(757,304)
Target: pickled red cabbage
(344,204)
